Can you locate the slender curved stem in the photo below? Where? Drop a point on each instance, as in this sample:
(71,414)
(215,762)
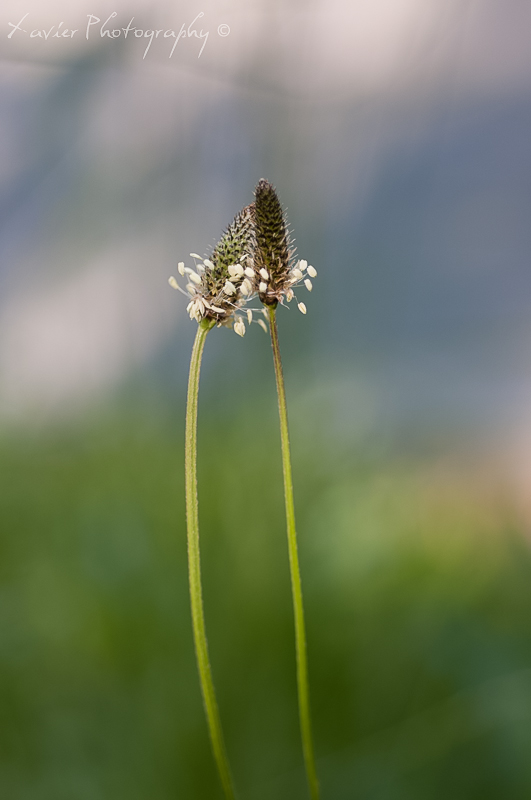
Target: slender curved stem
(194,566)
(300,634)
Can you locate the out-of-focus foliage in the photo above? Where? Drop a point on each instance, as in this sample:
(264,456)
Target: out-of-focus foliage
(418,599)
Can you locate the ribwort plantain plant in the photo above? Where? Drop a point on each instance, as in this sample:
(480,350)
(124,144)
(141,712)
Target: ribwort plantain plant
(217,288)
(277,273)
(254,257)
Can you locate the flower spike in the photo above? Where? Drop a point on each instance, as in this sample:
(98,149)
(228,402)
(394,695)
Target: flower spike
(218,286)
(276,272)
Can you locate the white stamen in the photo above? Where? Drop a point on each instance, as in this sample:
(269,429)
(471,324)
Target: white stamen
(235,270)
(263,287)
(302,265)
(194,277)
(246,287)
(312,272)
(302,308)
(208,263)
(173,283)
(249,316)
(229,288)
(180,267)
(239,327)
(308,284)
(262,324)
(296,273)
(196,309)
(289,295)
(217,310)
(200,268)
(249,272)
(190,288)
(194,255)
(265,274)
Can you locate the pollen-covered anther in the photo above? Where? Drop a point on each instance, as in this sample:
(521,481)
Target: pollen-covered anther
(308,284)
(262,324)
(302,308)
(208,263)
(246,288)
(196,309)
(229,288)
(173,283)
(235,270)
(180,267)
(249,272)
(296,274)
(194,255)
(249,316)
(312,272)
(239,327)
(289,295)
(195,278)
(264,274)
(302,265)
(263,287)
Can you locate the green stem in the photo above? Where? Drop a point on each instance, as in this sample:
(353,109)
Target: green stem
(300,635)
(194,566)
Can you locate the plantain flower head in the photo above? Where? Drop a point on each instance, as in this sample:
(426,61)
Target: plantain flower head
(219,286)
(277,272)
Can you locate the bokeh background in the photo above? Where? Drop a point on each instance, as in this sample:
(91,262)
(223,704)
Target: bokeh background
(397,133)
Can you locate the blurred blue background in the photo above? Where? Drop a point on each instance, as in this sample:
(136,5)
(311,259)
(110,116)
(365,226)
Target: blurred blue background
(397,135)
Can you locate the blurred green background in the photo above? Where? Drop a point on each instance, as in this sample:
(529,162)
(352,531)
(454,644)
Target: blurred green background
(397,134)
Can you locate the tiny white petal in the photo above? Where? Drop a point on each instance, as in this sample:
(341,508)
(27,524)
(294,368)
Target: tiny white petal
(262,324)
(249,272)
(264,273)
(180,267)
(229,288)
(263,287)
(208,263)
(249,316)
(195,278)
(312,272)
(194,255)
(302,265)
(173,283)
(308,284)
(302,308)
